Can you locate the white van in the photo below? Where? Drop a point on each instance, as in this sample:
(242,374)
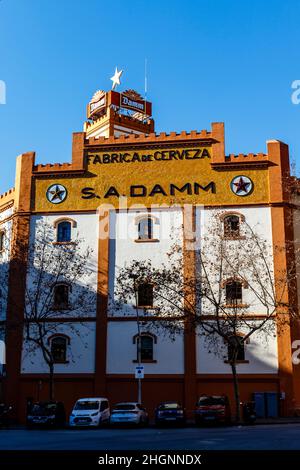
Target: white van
(90,412)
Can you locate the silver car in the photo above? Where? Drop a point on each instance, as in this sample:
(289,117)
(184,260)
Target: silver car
(129,413)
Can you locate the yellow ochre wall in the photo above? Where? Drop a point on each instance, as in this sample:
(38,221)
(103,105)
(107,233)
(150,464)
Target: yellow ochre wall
(101,176)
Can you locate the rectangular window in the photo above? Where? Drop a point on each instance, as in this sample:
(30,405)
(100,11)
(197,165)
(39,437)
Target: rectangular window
(233,293)
(145,229)
(64,232)
(145,295)
(236,349)
(146,348)
(231,226)
(1,241)
(61,296)
(59,349)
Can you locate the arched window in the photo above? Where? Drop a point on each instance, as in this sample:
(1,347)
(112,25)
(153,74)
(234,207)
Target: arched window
(146,348)
(61,296)
(59,348)
(2,239)
(231,226)
(147,342)
(145,228)
(233,292)
(236,348)
(145,295)
(64,231)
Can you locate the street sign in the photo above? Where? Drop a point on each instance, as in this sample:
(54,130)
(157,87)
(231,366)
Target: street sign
(139,372)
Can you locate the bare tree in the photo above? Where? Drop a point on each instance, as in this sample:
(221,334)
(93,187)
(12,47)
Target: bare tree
(57,289)
(228,295)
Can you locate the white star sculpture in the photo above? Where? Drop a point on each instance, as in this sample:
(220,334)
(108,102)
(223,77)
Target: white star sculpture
(116,78)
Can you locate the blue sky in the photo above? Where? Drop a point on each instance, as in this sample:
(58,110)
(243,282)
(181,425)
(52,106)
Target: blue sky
(208,60)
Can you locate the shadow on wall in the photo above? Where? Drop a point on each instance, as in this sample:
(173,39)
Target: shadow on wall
(54,313)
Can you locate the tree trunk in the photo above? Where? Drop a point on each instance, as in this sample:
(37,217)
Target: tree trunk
(51,382)
(236,392)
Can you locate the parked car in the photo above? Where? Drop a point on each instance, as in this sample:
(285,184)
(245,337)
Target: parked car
(169,412)
(212,409)
(90,412)
(5,411)
(129,413)
(47,413)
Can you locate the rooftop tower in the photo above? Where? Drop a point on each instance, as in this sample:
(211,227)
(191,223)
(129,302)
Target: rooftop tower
(111,114)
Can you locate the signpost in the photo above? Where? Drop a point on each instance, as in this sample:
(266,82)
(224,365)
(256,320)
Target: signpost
(139,372)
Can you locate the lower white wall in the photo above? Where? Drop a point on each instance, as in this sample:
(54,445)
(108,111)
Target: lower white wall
(121,351)
(261,353)
(6,226)
(80,353)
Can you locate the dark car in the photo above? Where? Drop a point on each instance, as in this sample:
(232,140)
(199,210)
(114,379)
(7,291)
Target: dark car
(50,413)
(5,411)
(212,409)
(169,412)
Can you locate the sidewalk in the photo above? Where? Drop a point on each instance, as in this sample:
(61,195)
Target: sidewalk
(265,421)
(283,420)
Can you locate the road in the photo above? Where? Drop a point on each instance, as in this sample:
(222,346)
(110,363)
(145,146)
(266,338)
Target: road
(260,437)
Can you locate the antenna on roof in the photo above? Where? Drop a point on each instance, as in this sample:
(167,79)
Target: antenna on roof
(146,83)
(145,77)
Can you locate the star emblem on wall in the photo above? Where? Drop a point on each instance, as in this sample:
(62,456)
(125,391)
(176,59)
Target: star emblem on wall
(56,193)
(116,78)
(241,185)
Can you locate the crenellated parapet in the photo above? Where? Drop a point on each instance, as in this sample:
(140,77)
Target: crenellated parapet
(151,138)
(7,193)
(7,198)
(241,160)
(241,157)
(48,167)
